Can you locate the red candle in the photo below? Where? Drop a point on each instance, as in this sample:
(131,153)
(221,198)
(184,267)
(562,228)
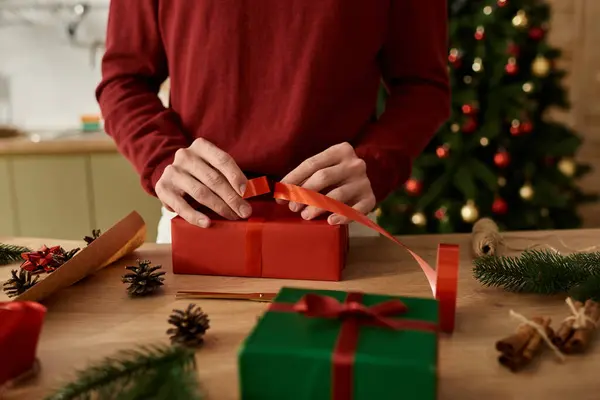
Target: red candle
(20,327)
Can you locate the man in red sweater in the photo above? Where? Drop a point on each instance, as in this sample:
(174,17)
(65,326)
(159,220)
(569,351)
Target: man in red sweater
(285,88)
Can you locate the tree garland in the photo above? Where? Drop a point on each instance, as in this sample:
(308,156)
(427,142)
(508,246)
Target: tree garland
(542,272)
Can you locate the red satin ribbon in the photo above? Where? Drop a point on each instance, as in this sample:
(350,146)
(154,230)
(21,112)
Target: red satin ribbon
(353,314)
(443,280)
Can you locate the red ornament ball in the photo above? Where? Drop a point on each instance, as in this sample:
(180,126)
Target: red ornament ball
(470,126)
(511,68)
(515,130)
(468,109)
(480,33)
(526,127)
(537,33)
(501,3)
(502,159)
(499,206)
(442,151)
(440,213)
(413,187)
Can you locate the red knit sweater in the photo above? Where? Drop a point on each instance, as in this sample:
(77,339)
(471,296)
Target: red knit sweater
(274,82)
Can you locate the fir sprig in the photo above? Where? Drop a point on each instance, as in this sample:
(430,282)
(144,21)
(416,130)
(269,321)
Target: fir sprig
(10,253)
(157,372)
(542,272)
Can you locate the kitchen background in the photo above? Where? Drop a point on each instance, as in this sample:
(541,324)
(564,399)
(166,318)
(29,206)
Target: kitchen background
(59,182)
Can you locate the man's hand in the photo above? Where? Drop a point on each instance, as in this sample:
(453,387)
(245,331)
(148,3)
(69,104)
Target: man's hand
(208,175)
(341,174)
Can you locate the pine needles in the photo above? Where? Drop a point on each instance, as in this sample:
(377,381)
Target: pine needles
(542,272)
(156,372)
(10,253)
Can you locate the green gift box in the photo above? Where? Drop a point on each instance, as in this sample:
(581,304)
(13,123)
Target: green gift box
(322,344)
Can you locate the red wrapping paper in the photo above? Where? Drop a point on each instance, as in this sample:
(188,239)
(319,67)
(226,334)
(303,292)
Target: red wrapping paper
(274,243)
(20,326)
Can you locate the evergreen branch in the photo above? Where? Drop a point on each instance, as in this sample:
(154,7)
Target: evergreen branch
(543,272)
(587,290)
(10,253)
(159,372)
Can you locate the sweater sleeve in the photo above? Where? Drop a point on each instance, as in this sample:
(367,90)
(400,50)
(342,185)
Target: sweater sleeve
(133,68)
(414,69)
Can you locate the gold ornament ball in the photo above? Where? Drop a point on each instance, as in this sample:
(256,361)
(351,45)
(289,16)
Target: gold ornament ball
(377,212)
(487,10)
(528,87)
(469,212)
(455,128)
(501,181)
(418,219)
(567,167)
(526,192)
(540,66)
(484,141)
(520,20)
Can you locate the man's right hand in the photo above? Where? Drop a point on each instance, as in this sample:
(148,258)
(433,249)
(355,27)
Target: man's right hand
(208,175)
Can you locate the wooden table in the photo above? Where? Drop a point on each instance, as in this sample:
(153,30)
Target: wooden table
(95,318)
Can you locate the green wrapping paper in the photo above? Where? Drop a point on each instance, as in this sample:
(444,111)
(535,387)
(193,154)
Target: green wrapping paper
(289,355)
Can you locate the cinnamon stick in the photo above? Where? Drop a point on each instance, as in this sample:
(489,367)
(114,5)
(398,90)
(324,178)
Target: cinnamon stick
(515,343)
(521,348)
(566,329)
(579,341)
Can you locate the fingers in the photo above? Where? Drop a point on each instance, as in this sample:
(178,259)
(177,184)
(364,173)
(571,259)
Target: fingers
(216,183)
(321,180)
(346,194)
(202,194)
(364,207)
(222,162)
(173,201)
(332,156)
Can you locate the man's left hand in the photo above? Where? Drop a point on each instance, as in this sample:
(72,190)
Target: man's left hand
(341,175)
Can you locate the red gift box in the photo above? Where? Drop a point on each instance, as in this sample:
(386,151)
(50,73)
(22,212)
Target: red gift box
(20,326)
(273,243)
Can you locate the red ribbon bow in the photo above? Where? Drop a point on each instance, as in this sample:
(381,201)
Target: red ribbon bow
(353,314)
(41,260)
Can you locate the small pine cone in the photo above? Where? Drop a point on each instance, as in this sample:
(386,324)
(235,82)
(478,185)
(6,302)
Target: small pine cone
(95,235)
(143,279)
(20,282)
(189,326)
(63,256)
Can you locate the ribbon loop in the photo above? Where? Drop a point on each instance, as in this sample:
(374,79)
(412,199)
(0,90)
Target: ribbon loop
(314,305)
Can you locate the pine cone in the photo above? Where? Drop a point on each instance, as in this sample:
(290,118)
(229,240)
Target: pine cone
(190,326)
(95,235)
(62,256)
(143,279)
(20,282)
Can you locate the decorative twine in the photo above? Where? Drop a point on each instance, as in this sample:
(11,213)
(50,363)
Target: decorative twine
(541,331)
(487,240)
(578,316)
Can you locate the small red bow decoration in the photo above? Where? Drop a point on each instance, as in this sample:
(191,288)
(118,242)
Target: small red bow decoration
(41,260)
(46,259)
(314,305)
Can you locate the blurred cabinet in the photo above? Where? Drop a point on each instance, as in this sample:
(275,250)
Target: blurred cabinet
(116,192)
(52,196)
(65,196)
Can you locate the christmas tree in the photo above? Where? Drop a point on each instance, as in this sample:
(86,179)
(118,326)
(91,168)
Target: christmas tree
(500,154)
